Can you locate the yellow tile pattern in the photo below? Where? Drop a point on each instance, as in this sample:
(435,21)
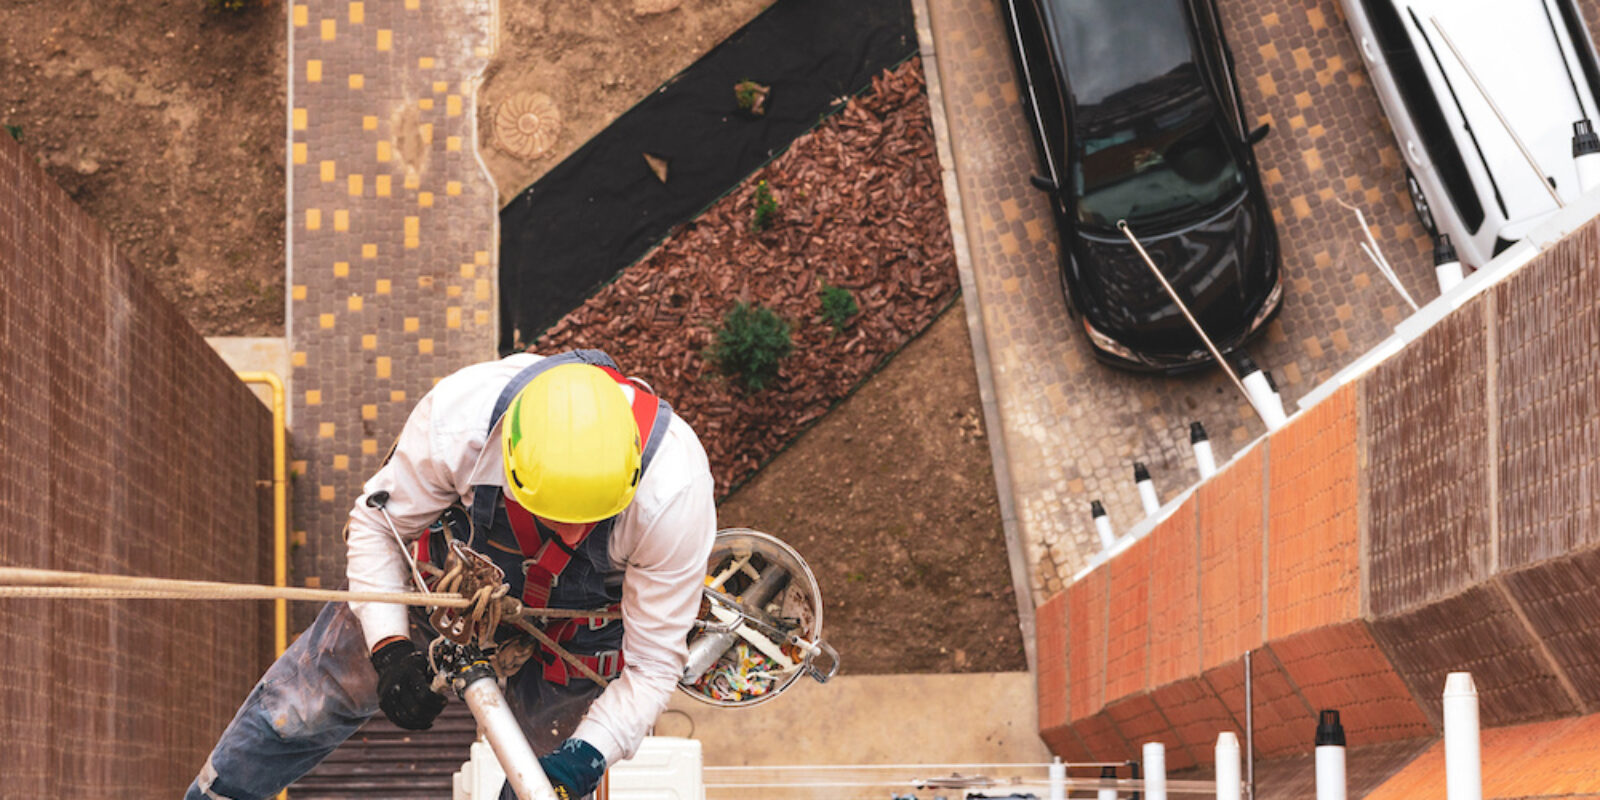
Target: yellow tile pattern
(380,80)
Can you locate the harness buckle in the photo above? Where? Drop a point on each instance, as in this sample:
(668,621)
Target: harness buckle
(610,663)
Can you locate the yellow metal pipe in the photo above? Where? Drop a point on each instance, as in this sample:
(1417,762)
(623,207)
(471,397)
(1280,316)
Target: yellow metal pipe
(280,506)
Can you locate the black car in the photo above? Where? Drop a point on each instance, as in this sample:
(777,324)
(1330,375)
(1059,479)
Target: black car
(1137,117)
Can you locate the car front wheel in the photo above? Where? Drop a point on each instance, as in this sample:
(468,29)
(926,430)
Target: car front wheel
(1419,203)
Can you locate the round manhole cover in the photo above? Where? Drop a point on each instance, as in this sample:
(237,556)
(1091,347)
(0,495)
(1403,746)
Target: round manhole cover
(527,125)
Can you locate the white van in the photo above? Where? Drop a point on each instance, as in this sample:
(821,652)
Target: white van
(1466,176)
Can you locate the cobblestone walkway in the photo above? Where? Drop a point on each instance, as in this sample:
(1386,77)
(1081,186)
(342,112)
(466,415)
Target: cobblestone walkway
(392,226)
(1072,428)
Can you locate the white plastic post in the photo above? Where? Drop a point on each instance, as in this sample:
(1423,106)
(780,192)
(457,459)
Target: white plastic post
(1586,155)
(1266,400)
(1102,525)
(1446,264)
(1058,780)
(1147,489)
(1230,784)
(1107,773)
(1204,461)
(1463,758)
(1330,757)
(1155,771)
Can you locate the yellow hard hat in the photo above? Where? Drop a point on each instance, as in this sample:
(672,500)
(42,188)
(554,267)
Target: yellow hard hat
(571,445)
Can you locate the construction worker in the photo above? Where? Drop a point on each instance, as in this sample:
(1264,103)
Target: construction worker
(588,491)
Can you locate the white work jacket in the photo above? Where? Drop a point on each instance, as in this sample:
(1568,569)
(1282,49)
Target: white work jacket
(661,541)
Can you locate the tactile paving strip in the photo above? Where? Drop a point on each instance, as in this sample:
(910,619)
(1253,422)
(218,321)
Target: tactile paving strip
(1428,471)
(1547,329)
(392,238)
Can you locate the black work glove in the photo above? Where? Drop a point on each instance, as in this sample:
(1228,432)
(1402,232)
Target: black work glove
(405,686)
(574,770)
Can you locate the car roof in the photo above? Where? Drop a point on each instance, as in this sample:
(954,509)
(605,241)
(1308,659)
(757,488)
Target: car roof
(1518,58)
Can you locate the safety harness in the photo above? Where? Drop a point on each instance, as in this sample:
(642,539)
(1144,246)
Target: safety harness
(551,573)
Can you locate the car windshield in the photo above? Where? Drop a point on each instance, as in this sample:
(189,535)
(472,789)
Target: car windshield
(1156,169)
(1108,46)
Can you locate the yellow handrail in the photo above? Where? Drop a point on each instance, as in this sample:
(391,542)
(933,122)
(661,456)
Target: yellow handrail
(280,506)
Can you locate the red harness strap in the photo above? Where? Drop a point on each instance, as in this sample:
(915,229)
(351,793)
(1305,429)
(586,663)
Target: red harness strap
(545,559)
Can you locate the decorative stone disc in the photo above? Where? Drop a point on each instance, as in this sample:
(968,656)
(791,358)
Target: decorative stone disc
(527,125)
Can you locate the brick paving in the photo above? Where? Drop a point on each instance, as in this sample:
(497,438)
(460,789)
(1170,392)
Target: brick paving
(392,225)
(1072,427)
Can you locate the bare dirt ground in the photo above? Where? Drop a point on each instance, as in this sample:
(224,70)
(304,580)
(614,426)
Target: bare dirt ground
(165,122)
(593,60)
(891,499)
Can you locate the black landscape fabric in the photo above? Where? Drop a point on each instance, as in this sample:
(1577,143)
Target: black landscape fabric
(603,208)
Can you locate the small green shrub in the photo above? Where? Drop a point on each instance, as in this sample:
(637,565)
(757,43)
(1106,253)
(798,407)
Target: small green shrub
(750,343)
(15,131)
(838,306)
(228,6)
(751,97)
(766,208)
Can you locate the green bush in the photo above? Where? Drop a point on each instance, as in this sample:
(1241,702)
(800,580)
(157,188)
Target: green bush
(766,208)
(229,6)
(838,306)
(750,343)
(15,131)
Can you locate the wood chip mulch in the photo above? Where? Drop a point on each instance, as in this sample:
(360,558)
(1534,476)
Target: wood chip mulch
(861,205)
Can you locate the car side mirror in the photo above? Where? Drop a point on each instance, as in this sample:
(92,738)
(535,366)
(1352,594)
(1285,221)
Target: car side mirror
(1258,134)
(1042,183)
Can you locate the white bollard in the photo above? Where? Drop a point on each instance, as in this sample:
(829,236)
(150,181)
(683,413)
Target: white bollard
(1147,489)
(1230,784)
(1330,757)
(1155,771)
(1102,524)
(1204,461)
(1058,780)
(1263,395)
(1586,155)
(1446,264)
(1107,773)
(1463,758)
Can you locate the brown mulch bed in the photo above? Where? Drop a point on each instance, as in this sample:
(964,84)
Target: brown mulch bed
(861,206)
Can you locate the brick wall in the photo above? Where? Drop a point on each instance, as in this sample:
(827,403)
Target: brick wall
(126,447)
(1442,513)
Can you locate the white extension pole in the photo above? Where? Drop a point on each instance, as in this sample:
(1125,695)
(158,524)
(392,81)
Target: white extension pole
(1058,780)
(1155,771)
(1586,154)
(1230,783)
(1147,489)
(1102,524)
(1330,757)
(1204,460)
(1463,758)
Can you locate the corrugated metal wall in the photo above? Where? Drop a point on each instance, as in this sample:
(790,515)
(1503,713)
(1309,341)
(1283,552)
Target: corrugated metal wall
(126,447)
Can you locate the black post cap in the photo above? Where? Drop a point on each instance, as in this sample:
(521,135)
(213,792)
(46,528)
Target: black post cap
(1243,363)
(1443,251)
(1140,473)
(1329,731)
(1096,509)
(1197,433)
(1584,140)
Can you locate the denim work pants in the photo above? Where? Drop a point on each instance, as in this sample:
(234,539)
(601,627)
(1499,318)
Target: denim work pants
(323,689)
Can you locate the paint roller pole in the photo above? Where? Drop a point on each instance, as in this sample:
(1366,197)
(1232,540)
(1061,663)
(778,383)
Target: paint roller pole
(1446,265)
(1102,524)
(1586,152)
(1463,764)
(1230,784)
(1058,780)
(1147,489)
(1204,460)
(1172,293)
(1330,756)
